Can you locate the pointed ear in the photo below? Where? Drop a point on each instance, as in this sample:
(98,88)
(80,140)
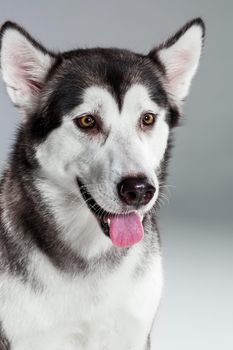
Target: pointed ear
(24,65)
(179,57)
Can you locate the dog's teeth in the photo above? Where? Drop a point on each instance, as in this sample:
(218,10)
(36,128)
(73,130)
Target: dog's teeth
(108,222)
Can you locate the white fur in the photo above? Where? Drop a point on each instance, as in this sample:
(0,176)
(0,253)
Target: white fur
(181,62)
(78,226)
(108,311)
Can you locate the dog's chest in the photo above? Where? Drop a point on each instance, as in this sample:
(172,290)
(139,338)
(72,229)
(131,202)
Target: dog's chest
(84,299)
(95,307)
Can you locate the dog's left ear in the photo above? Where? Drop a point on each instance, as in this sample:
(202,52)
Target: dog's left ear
(179,57)
(24,65)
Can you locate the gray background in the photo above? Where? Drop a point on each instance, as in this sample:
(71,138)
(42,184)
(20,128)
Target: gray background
(197,227)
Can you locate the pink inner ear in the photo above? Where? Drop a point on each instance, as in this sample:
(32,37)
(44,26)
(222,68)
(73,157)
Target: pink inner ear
(184,56)
(180,65)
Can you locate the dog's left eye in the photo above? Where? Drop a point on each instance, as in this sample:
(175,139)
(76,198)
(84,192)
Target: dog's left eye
(86,121)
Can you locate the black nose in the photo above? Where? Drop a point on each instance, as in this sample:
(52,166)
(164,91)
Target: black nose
(136,191)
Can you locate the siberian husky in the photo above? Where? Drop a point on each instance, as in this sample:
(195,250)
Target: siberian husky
(80,259)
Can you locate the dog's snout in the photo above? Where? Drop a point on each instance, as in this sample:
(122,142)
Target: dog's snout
(136,191)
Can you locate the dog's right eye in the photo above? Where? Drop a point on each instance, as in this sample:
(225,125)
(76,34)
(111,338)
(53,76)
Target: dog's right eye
(86,121)
(148,119)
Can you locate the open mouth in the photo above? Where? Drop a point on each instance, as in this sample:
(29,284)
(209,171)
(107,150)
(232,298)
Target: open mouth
(124,230)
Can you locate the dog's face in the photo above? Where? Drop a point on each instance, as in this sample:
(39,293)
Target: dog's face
(98,120)
(117,130)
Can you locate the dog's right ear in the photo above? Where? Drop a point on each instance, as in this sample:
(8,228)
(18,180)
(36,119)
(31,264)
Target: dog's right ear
(24,64)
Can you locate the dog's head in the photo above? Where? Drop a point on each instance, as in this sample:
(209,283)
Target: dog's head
(97,121)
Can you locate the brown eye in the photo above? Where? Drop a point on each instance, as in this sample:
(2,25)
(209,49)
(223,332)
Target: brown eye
(148,119)
(86,121)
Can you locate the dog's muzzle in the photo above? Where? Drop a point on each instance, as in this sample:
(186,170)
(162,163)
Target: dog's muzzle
(124,230)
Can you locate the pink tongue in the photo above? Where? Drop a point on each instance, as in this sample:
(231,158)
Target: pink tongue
(126,230)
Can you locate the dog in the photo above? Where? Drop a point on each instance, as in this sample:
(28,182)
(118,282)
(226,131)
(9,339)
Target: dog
(80,258)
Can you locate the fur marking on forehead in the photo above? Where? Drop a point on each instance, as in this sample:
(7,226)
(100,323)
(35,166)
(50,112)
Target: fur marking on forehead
(101,101)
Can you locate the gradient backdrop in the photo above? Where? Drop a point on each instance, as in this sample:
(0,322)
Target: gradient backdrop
(197,227)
